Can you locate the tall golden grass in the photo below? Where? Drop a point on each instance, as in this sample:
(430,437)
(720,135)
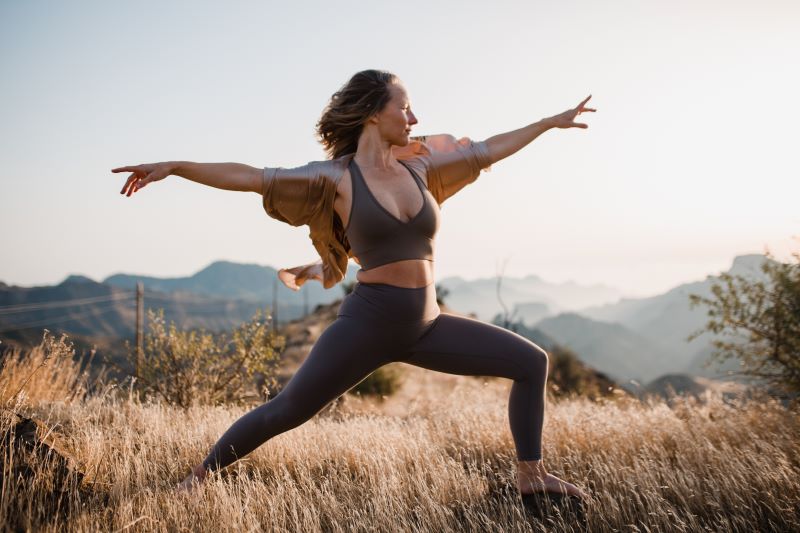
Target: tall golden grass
(49,372)
(443,465)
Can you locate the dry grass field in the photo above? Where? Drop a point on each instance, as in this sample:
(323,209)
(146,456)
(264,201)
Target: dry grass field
(438,456)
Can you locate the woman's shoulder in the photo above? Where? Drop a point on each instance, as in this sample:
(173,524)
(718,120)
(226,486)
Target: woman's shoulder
(416,148)
(421,148)
(415,154)
(325,170)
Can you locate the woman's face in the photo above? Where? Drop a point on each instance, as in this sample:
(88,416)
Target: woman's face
(394,121)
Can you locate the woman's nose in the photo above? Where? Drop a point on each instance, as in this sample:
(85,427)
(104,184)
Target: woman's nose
(412,119)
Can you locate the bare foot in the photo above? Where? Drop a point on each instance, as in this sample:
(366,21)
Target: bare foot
(550,484)
(193,481)
(532,478)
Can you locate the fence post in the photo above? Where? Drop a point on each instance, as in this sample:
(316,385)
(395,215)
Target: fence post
(274,304)
(139,325)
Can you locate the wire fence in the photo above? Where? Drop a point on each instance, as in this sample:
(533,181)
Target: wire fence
(101,305)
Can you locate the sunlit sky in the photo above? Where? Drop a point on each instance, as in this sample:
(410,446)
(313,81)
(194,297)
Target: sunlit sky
(690,160)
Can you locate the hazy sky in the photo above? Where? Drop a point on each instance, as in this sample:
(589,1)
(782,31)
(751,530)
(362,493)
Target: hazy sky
(690,160)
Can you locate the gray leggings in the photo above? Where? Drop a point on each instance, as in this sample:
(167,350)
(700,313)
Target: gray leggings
(378,324)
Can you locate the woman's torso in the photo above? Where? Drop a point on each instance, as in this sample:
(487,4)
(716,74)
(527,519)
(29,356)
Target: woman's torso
(397,193)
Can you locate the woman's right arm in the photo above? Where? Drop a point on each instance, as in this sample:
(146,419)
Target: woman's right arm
(227,176)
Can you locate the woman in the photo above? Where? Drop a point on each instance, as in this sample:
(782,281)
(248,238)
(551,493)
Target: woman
(377,200)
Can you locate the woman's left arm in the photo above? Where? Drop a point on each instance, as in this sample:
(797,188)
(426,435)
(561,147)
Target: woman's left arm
(503,145)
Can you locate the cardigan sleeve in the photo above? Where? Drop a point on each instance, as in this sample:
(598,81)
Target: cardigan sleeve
(305,196)
(293,195)
(449,163)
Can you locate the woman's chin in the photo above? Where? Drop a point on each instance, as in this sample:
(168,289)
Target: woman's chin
(403,140)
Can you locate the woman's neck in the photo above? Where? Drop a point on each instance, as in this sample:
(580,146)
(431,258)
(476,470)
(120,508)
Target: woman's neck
(374,152)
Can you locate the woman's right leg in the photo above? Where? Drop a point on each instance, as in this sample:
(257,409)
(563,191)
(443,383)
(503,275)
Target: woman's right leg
(347,352)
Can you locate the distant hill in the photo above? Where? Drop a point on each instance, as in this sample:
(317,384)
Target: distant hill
(532,296)
(92,311)
(221,279)
(224,279)
(666,320)
(531,312)
(539,337)
(685,385)
(675,384)
(80,305)
(216,298)
(611,348)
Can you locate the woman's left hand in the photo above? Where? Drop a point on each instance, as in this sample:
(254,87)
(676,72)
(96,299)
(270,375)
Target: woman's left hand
(567,118)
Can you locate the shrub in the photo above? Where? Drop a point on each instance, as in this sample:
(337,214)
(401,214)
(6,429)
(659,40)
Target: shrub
(758,323)
(348,286)
(441,293)
(186,368)
(383,382)
(567,376)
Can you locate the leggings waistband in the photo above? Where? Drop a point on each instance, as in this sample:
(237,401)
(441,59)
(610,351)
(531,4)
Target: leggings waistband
(368,284)
(390,303)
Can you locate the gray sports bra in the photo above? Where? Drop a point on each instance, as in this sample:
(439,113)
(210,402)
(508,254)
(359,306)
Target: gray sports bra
(377,237)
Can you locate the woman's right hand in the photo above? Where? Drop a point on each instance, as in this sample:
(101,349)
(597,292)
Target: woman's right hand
(142,175)
(295,277)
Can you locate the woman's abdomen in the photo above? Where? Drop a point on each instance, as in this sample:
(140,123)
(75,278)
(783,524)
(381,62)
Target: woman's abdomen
(411,273)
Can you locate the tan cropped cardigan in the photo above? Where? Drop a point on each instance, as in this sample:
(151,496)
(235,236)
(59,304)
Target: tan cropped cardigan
(305,195)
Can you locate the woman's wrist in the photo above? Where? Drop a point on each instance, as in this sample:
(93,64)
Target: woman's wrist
(547,123)
(175,167)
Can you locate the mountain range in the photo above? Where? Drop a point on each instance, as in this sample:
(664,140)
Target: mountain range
(643,338)
(531,298)
(224,279)
(628,339)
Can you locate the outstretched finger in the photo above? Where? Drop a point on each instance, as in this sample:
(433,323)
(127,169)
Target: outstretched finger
(584,101)
(128,183)
(133,186)
(125,169)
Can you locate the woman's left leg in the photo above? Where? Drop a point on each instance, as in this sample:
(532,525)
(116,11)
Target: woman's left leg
(460,345)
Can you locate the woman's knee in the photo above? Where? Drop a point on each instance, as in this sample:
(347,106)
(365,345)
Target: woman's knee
(284,411)
(535,361)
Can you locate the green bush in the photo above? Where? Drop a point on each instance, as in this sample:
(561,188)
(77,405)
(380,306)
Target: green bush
(196,367)
(567,376)
(348,286)
(441,293)
(757,322)
(385,381)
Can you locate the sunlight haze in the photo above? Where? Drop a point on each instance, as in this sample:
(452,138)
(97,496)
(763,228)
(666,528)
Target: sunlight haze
(689,161)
